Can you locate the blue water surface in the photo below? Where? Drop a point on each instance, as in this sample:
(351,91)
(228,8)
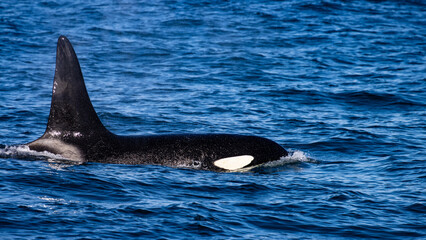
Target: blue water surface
(340,84)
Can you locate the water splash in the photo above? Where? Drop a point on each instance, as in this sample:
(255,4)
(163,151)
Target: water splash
(293,160)
(293,157)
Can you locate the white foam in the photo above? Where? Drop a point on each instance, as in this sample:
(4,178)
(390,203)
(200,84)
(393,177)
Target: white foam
(293,157)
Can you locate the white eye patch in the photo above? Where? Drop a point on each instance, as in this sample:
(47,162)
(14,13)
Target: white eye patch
(233,163)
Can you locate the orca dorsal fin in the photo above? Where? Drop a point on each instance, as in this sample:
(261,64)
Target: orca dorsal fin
(71,111)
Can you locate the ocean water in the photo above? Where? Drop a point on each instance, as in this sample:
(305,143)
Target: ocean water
(340,84)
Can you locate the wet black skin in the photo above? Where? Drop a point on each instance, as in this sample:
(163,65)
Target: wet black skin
(74,130)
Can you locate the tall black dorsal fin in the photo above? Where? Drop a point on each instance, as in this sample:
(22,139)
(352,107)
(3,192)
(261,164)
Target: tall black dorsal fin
(71,110)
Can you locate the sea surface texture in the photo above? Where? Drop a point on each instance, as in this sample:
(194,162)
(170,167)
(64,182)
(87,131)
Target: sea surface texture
(340,84)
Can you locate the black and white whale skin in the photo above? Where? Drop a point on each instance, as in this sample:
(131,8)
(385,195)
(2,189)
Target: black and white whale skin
(75,131)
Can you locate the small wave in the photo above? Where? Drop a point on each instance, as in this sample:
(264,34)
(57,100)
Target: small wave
(376,99)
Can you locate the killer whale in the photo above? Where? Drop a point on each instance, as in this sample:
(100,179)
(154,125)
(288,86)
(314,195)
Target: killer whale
(75,132)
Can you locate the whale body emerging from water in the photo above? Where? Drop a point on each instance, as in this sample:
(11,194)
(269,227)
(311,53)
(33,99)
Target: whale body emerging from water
(75,131)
